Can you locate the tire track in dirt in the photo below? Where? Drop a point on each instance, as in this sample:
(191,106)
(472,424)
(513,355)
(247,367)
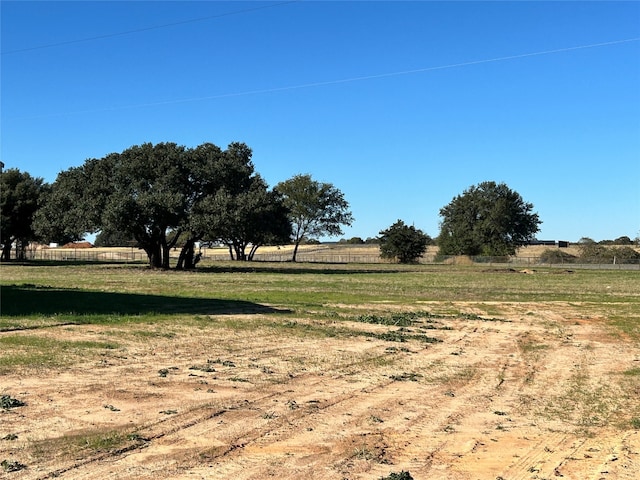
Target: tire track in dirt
(541,457)
(170,428)
(550,448)
(304,414)
(165,432)
(619,458)
(486,418)
(358,410)
(463,415)
(399,431)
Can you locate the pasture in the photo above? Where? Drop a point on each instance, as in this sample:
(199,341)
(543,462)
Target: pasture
(290,371)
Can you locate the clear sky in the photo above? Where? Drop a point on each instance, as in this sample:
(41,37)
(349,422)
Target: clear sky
(401,105)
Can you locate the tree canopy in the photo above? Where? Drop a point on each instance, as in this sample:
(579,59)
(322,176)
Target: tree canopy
(107,238)
(73,205)
(487,219)
(20,195)
(315,208)
(403,243)
(253,216)
(158,194)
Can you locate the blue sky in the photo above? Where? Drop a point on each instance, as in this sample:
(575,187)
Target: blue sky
(401,105)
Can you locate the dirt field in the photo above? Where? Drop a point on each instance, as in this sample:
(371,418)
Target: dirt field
(536,391)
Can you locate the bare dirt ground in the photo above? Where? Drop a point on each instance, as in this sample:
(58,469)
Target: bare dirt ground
(536,392)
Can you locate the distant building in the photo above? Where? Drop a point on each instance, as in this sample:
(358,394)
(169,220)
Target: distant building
(550,243)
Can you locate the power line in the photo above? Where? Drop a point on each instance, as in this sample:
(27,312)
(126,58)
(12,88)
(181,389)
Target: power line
(344,80)
(146,29)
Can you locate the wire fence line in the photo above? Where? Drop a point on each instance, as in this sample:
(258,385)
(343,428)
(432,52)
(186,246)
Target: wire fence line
(135,255)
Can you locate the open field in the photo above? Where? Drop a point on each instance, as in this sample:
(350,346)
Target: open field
(309,371)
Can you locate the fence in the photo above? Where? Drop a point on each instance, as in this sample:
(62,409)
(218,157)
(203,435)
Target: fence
(87,255)
(135,255)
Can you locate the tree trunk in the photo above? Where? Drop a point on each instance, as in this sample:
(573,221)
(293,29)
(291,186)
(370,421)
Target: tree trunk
(252,252)
(295,251)
(187,254)
(154,254)
(155,260)
(239,252)
(6,251)
(165,250)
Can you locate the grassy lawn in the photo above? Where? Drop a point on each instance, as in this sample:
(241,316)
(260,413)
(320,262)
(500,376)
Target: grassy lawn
(307,300)
(34,295)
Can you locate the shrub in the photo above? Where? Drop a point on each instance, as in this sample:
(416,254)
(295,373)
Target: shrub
(624,240)
(592,252)
(403,243)
(310,241)
(595,253)
(355,241)
(551,255)
(625,255)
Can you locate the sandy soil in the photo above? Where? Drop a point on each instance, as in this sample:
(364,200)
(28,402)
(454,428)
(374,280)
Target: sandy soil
(536,393)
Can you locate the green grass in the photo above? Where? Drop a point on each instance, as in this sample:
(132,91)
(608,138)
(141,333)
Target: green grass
(50,344)
(36,295)
(529,347)
(42,352)
(589,402)
(98,441)
(632,372)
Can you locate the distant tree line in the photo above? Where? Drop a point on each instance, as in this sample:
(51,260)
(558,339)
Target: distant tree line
(165,196)
(618,251)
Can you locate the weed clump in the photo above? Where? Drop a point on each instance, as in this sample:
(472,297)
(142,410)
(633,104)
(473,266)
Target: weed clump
(7,402)
(398,476)
(12,465)
(400,336)
(203,368)
(396,319)
(406,377)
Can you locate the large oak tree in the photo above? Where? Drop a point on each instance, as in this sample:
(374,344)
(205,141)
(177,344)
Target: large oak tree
(487,219)
(158,195)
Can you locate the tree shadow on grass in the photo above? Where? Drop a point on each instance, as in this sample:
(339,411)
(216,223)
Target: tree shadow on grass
(300,268)
(26,300)
(256,266)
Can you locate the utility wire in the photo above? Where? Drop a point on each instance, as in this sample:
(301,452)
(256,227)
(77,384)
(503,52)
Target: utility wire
(146,29)
(346,80)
